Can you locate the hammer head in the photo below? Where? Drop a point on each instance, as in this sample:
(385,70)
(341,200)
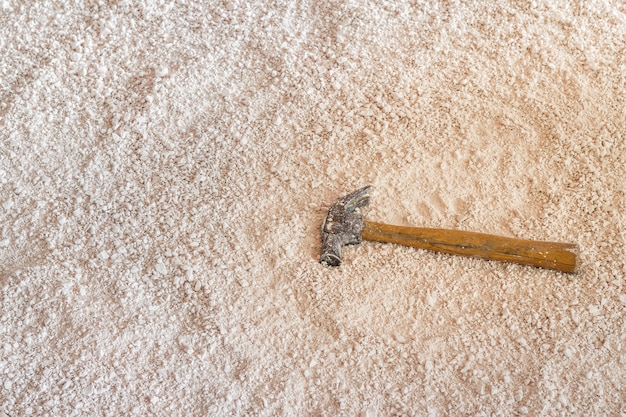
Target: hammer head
(343,225)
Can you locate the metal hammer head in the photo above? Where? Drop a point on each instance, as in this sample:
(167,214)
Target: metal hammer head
(343,225)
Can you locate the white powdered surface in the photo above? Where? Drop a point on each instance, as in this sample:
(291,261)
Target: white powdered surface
(165,167)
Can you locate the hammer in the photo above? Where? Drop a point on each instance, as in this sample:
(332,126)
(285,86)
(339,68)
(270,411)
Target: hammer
(344,225)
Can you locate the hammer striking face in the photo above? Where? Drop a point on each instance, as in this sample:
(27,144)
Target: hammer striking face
(345,226)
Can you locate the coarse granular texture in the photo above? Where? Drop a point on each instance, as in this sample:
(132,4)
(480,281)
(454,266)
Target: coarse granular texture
(165,167)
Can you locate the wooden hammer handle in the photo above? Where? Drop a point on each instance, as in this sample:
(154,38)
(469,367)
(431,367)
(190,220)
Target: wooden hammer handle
(550,255)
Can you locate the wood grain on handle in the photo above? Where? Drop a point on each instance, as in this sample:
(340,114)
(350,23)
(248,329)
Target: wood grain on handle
(550,255)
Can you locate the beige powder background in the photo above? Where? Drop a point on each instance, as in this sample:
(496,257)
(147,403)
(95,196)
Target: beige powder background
(165,167)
